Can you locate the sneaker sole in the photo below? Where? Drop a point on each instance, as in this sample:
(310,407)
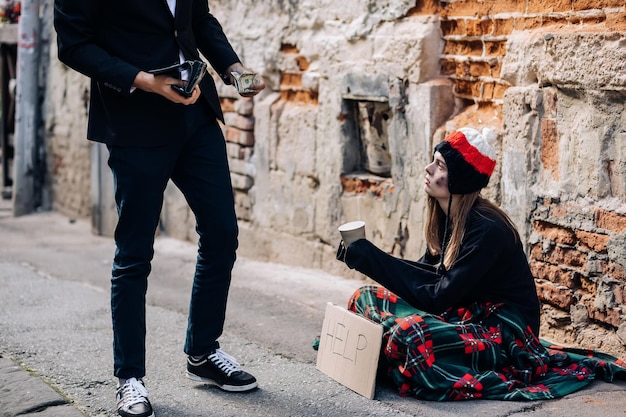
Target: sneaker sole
(151,415)
(225,387)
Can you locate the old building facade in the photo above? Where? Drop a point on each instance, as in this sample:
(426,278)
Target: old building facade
(358,95)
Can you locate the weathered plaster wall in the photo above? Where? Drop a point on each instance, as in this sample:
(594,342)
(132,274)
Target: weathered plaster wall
(549,76)
(296,169)
(66,104)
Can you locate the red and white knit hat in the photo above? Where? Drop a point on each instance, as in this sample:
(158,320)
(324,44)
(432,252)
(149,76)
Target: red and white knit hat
(470,159)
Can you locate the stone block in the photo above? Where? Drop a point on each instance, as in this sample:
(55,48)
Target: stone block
(238,121)
(241,182)
(562,59)
(241,137)
(239,166)
(244,106)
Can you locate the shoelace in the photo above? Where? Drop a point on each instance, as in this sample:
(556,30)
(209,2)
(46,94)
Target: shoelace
(224,361)
(133,392)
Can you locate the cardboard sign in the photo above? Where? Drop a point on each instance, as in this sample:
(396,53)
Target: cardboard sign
(349,349)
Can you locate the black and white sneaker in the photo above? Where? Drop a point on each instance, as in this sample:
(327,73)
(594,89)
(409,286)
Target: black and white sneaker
(222,370)
(132,399)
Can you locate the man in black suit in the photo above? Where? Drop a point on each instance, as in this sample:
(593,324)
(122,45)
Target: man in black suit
(154,134)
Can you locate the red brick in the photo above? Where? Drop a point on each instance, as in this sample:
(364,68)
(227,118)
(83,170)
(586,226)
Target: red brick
(495,48)
(361,185)
(611,316)
(588,286)
(228,104)
(548,6)
(580,5)
(502,27)
(592,241)
(496,69)
(616,22)
(557,296)
(462,69)
(468,88)
(242,137)
(303,63)
(290,80)
(566,256)
(453,27)
(550,146)
(527,23)
(288,48)
(554,274)
(483,8)
(493,90)
(487,90)
(448,66)
(557,234)
(536,252)
(479,27)
(558,21)
(610,220)
(616,271)
(498,90)
(239,121)
(479,69)
(472,48)
(300,97)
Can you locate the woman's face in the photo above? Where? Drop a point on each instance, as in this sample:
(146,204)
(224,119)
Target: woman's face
(436,180)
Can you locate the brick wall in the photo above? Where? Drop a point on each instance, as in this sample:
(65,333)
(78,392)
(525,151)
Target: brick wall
(476,33)
(575,249)
(238,131)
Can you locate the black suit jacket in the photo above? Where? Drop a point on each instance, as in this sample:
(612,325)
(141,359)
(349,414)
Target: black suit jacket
(110,41)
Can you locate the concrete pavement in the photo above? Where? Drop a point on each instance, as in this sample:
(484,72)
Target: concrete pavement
(55,337)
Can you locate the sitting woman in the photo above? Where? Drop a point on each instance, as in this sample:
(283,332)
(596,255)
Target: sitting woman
(463,321)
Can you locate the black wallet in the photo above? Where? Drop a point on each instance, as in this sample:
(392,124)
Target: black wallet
(196,69)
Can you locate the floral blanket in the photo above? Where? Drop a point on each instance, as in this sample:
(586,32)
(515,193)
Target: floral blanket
(481,351)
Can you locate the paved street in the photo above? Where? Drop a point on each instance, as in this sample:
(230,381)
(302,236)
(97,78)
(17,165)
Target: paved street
(55,337)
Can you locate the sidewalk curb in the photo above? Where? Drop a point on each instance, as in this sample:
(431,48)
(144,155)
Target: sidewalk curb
(26,394)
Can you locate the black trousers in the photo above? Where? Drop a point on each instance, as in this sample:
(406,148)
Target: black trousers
(197,164)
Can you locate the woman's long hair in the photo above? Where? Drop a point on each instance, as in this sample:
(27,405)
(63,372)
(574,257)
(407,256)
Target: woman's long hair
(460,207)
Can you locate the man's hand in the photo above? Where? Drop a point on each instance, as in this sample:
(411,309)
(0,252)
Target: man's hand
(257,87)
(162,85)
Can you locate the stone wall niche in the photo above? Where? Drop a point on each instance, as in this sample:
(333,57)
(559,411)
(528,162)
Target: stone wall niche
(387,136)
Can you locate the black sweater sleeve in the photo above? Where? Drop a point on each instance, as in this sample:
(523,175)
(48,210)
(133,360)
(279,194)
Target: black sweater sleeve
(409,280)
(422,287)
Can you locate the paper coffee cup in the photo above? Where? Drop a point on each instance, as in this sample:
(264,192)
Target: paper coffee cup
(352,231)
